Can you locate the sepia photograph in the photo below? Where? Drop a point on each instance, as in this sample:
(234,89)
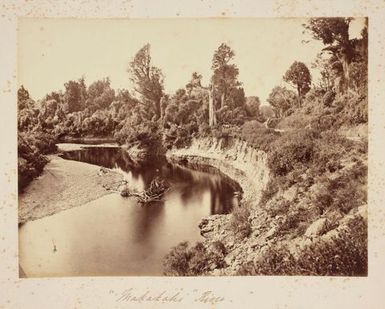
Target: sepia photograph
(192,147)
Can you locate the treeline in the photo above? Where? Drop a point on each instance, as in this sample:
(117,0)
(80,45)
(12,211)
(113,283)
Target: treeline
(149,117)
(100,111)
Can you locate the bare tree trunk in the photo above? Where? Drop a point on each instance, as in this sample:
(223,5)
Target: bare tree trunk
(212,119)
(223,99)
(163,104)
(345,65)
(299,96)
(345,71)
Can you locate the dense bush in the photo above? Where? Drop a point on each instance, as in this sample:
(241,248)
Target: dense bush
(197,260)
(31,159)
(146,134)
(345,255)
(292,149)
(342,255)
(256,135)
(328,153)
(345,192)
(231,116)
(179,137)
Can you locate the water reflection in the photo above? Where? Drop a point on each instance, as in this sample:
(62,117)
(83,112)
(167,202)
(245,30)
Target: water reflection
(114,235)
(189,182)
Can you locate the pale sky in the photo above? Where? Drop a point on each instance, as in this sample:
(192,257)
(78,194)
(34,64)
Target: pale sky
(53,51)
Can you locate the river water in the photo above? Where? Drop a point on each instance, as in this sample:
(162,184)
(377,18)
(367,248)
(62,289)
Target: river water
(115,236)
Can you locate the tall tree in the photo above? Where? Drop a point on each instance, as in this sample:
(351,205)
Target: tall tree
(147,80)
(75,95)
(212,116)
(225,74)
(281,99)
(334,33)
(299,76)
(195,82)
(100,94)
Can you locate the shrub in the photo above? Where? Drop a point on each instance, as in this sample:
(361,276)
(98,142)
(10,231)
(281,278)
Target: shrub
(313,94)
(328,152)
(352,108)
(32,146)
(325,122)
(296,120)
(258,136)
(279,207)
(344,192)
(275,261)
(345,255)
(176,261)
(197,260)
(292,149)
(292,221)
(328,98)
(239,222)
(178,137)
(249,127)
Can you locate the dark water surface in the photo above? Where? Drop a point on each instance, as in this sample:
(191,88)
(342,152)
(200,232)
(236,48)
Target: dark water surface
(115,236)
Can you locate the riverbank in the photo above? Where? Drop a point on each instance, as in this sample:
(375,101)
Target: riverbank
(88,140)
(74,146)
(62,185)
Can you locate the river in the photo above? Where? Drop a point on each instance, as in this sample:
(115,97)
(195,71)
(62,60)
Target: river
(115,236)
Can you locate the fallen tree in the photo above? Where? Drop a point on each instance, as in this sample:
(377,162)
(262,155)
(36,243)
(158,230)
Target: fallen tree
(154,193)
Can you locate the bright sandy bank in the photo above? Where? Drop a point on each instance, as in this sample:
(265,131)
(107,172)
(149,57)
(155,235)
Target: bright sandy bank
(65,184)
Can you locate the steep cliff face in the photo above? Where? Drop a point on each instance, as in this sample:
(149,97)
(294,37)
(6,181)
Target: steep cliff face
(243,163)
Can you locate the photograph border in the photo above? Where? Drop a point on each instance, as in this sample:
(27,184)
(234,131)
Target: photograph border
(208,292)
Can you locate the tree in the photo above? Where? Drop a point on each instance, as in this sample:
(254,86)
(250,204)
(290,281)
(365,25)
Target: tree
(195,82)
(212,117)
(27,114)
(147,80)
(334,33)
(324,65)
(281,99)
(75,95)
(225,75)
(298,75)
(100,95)
(22,96)
(252,106)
